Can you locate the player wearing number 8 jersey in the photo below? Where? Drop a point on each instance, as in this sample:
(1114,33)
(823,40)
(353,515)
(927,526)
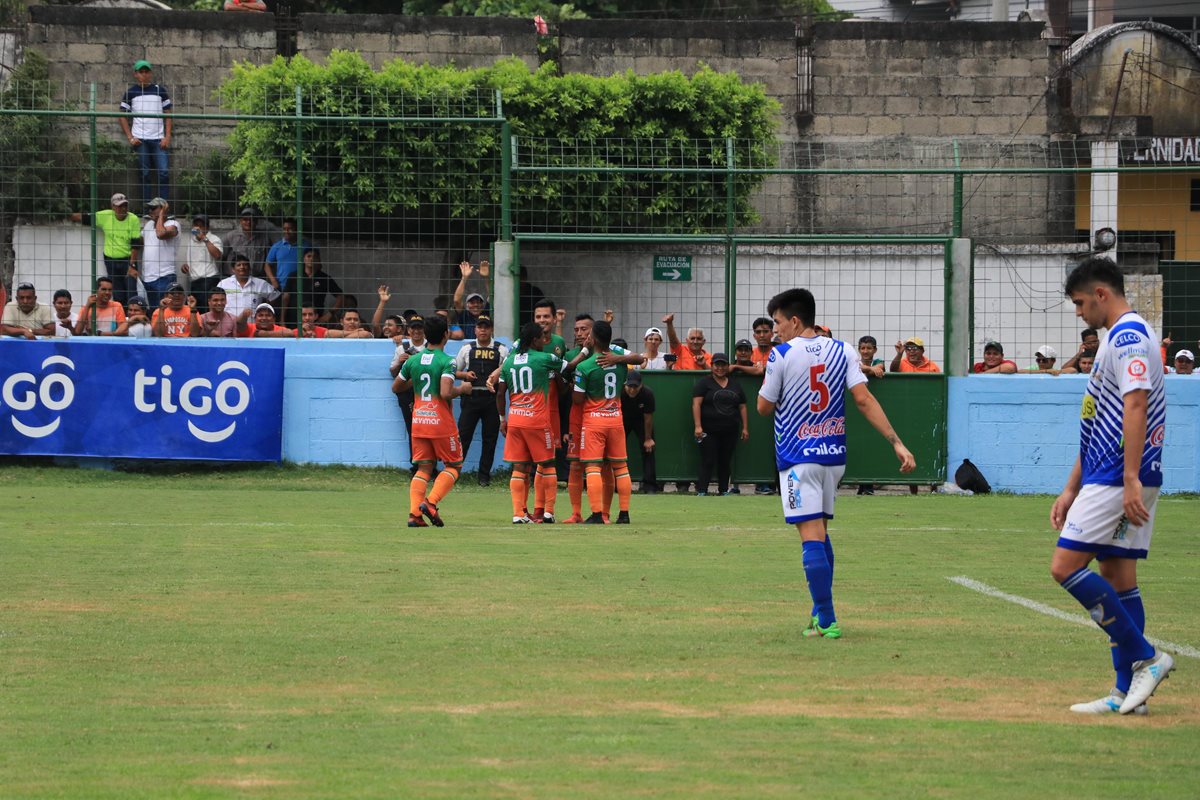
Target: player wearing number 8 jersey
(1106,510)
(529,439)
(598,383)
(430,373)
(804,387)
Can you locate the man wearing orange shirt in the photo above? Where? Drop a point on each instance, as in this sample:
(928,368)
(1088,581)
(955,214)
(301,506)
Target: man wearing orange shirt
(264,326)
(175,319)
(691,356)
(910,357)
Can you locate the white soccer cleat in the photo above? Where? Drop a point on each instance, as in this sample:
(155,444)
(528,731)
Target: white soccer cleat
(1110,704)
(1147,675)
(523,520)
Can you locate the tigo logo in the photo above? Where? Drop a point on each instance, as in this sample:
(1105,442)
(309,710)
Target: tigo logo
(196,398)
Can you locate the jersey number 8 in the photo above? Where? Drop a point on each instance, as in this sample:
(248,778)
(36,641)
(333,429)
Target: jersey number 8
(610,385)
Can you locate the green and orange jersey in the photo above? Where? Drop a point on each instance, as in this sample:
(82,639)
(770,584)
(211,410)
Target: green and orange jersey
(601,387)
(576,424)
(431,416)
(529,377)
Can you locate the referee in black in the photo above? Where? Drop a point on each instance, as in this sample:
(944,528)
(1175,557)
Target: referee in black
(474,363)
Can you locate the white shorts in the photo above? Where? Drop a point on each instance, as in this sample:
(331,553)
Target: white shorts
(1096,523)
(808,491)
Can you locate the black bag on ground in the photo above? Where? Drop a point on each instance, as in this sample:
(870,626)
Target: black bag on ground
(968,476)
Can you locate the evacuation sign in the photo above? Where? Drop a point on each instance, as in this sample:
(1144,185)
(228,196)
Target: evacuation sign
(673,268)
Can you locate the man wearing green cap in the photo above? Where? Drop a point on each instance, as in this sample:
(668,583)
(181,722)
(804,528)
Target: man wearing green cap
(150,137)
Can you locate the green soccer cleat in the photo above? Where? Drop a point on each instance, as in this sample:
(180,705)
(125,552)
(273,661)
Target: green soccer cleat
(831,632)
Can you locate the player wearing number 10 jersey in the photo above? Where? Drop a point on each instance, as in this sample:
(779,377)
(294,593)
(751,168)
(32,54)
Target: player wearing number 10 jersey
(602,437)
(430,373)
(804,387)
(528,374)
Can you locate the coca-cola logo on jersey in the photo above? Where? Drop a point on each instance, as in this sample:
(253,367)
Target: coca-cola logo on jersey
(834,426)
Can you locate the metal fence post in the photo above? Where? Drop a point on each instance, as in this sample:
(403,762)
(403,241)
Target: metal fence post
(958,194)
(299,144)
(93,191)
(730,251)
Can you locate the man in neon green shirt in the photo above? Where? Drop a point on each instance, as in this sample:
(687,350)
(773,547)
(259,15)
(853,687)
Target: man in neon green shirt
(122,245)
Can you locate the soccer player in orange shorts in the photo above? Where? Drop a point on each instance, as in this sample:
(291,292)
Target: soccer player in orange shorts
(598,382)
(528,373)
(430,373)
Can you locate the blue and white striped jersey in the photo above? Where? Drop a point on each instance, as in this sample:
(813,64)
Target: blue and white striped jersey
(807,380)
(1128,359)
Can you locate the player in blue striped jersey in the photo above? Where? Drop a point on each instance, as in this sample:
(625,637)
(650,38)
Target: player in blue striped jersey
(805,388)
(1106,510)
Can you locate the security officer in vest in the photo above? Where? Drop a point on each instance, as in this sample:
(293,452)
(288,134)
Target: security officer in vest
(475,362)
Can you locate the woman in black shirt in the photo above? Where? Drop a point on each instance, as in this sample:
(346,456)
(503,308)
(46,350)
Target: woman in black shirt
(719,414)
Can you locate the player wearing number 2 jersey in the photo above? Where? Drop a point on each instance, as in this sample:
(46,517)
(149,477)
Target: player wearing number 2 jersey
(598,383)
(430,374)
(805,387)
(529,439)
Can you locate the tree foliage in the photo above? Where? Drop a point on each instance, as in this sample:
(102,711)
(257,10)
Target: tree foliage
(359,165)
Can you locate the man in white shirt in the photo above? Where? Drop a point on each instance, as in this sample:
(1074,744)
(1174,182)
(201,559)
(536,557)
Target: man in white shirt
(244,292)
(202,261)
(158,251)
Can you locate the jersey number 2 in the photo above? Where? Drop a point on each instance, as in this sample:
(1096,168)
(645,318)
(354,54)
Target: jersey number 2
(818,386)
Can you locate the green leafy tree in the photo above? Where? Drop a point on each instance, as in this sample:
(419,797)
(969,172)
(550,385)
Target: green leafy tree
(360,166)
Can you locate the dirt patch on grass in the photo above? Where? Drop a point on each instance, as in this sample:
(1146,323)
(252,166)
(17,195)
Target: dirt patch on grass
(244,782)
(58,606)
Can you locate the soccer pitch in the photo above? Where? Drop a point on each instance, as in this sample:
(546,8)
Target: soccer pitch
(280,633)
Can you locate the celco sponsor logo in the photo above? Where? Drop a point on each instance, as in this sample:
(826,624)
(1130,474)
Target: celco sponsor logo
(198,398)
(24,392)
(825,449)
(1126,339)
(834,426)
(1137,368)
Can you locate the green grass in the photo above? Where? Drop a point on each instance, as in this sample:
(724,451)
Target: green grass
(278,633)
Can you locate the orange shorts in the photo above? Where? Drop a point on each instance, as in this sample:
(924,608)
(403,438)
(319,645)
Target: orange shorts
(573,444)
(602,444)
(528,445)
(446,449)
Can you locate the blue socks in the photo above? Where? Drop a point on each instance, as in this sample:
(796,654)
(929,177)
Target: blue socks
(1102,603)
(1132,600)
(819,571)
(829,557)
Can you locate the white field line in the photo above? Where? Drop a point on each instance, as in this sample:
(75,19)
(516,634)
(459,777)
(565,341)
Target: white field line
(1050,611)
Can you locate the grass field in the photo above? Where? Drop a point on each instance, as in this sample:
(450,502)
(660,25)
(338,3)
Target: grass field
(278,633)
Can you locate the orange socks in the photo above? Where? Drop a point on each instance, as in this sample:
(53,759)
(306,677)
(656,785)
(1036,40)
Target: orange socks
(609,485)
(624,485)
(547,481)
(595,488)
(518,487)
(416,490)
(442,486)
(575,487)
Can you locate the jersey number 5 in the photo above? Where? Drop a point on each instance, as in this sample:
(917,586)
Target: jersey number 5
(818,386)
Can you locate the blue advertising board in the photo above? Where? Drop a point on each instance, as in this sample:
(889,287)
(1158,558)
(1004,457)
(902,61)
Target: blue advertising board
(79,398)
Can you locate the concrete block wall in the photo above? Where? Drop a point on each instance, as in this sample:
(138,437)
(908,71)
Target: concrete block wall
(1022,431)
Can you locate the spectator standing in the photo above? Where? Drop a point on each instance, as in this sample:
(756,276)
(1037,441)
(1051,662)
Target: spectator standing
(158,250)
(174,318)
(691,356)
(137,323)
(319,286)
(653,339)
(637,415)
(122,244)
(282,261)
(470,301)
(25,317)
(101,315)
(994,362)
(743,359)
(473,364)
(64,320)
(405,350)
(201,261)
(719,416)
(870,366)
(764,330)
(910,357)
(216,322)
(243,291)
(250,239)
(150,137)
(1044,359)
